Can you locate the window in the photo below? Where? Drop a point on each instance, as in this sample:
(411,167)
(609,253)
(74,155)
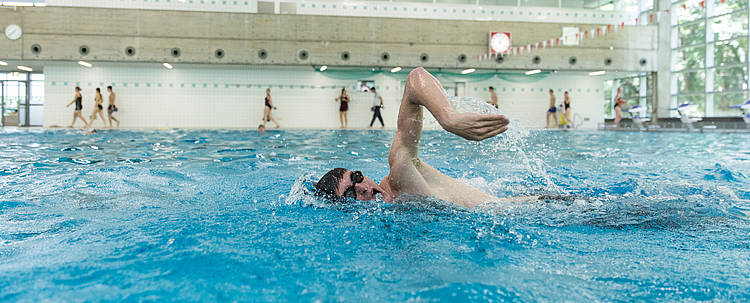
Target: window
(710,55)
(365,85)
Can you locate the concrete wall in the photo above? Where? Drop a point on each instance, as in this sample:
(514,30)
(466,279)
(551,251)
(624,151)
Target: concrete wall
(60,31)
(150,96)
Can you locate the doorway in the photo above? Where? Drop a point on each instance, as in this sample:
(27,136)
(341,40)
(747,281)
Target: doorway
(21,99)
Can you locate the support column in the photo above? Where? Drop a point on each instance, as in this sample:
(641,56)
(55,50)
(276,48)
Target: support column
(662,79)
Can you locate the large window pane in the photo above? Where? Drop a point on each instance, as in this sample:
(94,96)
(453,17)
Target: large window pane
(691,82)
(693,11)
(722,102)
(730,52)
(729,26)
(728,79)
(37,92)
(693,33)
(699,100)
(691,57)
(727,6)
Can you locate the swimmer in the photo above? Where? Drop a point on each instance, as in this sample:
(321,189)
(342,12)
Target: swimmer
(409,175)
(493,97)
(552,110)
(91,131)
(267,116)
(97,108)
(566,113)
(78,100)
(261,128)
(111,109)
(619,102)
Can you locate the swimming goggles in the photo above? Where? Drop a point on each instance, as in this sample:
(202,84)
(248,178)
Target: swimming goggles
(356,177)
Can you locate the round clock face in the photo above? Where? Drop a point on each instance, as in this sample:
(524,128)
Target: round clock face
(13,32)
(499,43)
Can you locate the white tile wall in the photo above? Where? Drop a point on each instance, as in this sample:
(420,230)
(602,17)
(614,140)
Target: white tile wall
(150,96)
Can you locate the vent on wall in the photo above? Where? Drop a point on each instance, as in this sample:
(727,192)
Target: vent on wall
(263,54)
(608,61)
(219,53)
(536,60)
(643,62)
(130,51)
(385,56)
(572,60)
(500,59)
(83,50)
(424,57)
(36,49)
(303,55)
(345,56)
(462,58)
(176,52)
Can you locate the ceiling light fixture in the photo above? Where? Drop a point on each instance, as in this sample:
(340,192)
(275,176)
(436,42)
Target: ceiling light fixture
(26,68)
(323,68)
(533,71)
(396,69)
(597,73)
(167,65)
(84,63)
(468,71)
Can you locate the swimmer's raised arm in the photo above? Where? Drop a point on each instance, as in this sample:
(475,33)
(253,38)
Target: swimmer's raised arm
(422,89)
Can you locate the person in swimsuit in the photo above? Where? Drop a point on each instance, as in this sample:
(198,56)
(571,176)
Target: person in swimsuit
(377,105)
(493,97)
(619,103)
(78,100)
(267,116)
(111,108)
(409,175)
(566,114)
(552,110)
(343,108)
(98,109)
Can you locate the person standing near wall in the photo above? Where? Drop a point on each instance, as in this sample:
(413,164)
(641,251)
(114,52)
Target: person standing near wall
(566,113)
(78,100)
(97,109)
(493,97)
(619,103)
(111,109)
(343,108)
(267,116)
(377,105)
(552,110)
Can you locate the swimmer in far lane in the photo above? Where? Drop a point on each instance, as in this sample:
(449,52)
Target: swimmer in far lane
(409,175)
(552,109)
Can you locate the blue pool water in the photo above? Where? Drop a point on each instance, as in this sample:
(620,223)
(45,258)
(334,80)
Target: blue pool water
(225,215)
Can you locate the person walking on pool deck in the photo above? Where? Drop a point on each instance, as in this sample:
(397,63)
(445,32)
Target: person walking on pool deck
(98,108)
(566,113)
(493,97)
(78,100)
(377,105)
(267,116)
(551,110)
(111,109)
(343,108)
(409,175)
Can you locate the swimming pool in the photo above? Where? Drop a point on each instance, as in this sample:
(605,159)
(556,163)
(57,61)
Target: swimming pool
(205,215)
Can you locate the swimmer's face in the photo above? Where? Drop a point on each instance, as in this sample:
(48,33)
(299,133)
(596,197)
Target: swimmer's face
(365,190)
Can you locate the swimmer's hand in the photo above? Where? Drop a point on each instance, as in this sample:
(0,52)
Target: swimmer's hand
(476,127)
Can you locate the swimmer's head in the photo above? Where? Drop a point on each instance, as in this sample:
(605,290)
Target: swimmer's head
(343,91)
(109,88)
(98,90)
(268,90)
(492,88)
(551,91)
(78,89)
(341,183)
(372,89)
(261,128)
